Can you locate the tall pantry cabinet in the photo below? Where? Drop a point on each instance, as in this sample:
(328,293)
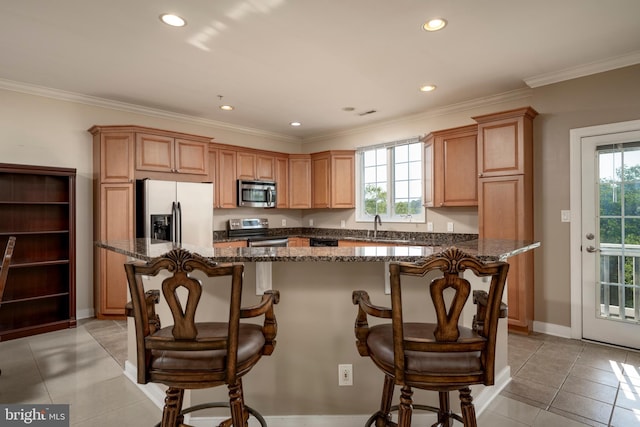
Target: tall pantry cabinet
(505,200)
(113,210)
(37,206)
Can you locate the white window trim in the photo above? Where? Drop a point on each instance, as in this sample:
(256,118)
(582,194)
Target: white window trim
(361,216)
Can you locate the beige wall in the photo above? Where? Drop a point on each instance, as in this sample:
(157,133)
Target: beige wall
(588,101)
(40,130)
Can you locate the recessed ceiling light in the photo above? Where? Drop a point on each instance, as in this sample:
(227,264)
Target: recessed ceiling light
(173,20)
(427,88)
(295,123)
(435,24)
(227,107)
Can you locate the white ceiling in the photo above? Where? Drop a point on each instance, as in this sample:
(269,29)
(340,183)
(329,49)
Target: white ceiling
(279,61)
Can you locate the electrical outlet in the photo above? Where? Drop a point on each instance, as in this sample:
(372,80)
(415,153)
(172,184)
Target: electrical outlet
(450,227)
(342,224)
(311,223)
(429,226)
(284,222)
(345,374)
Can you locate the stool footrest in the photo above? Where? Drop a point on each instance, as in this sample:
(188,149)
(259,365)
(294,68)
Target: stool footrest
(201,406)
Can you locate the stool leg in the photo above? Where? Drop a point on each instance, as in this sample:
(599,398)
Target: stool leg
(468,410)
(172,406)
(444,419)
(385,402)
(236,402)
(404,412)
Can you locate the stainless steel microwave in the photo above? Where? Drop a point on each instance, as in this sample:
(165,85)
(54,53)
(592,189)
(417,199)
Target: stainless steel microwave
(257,194)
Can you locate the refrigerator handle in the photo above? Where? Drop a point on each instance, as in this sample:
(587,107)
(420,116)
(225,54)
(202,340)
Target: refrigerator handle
(174,215)
(179,224)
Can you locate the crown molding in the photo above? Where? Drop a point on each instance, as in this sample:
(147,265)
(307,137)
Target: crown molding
(584,70)
(133,108)
(514,95)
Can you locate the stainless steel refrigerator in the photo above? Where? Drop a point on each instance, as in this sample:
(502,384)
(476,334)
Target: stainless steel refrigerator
(181,212)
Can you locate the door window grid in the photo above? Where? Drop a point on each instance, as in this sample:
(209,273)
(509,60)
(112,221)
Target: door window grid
(619,211)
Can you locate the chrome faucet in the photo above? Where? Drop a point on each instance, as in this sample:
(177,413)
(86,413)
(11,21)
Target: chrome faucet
(376,222)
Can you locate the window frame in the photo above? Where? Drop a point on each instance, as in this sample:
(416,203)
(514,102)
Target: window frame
(391,217)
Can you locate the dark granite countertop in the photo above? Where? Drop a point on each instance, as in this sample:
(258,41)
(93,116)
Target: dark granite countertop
(383,236)
(487,250)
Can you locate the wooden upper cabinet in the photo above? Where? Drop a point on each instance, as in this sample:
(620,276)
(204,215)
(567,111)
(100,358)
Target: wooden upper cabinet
(226,179)
(255,165)
(161,153)
(281,166)
(505,145)
(321,180)
(299,181)
(333,179)
(265,167)
(114,155)
(246,165)
(451,167)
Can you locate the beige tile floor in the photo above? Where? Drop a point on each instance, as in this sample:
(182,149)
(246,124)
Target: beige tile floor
(556,382)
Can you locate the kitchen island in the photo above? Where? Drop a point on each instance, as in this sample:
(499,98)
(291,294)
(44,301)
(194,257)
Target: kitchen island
(316,318)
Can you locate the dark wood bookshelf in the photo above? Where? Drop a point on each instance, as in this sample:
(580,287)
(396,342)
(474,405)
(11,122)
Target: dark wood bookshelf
(37,205)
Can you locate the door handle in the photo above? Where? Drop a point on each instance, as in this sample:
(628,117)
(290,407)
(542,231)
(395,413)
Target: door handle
(592,249)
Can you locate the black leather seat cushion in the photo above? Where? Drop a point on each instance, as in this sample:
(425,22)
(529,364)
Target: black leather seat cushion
(380,344)
(250,344)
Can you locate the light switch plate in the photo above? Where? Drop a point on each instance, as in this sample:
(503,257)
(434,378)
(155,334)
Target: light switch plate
(565,216)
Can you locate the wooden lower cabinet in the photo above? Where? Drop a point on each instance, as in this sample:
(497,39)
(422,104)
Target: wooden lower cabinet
(299,242)
(37,206)
(116,213)
(231,244)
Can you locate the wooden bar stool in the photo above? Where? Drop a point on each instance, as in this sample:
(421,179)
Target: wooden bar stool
(194,355)
(442,356)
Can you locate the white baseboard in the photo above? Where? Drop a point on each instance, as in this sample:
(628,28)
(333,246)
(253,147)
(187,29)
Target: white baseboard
(481,402)
(551,329)
(86,313)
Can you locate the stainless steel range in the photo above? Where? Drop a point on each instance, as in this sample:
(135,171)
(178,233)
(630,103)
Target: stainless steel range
(256,230)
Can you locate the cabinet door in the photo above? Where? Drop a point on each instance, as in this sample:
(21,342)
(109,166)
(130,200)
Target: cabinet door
(191,157)
(282,182)
(299,182)
(246,165)
(265,167)
(320,181)
(502,215)
(505,143)
(501,208)
(227,179)
(154,153)
(116,211)
(299,242)
(343,181)
(213,176)
(116,157)
(450,159)
(459,172)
